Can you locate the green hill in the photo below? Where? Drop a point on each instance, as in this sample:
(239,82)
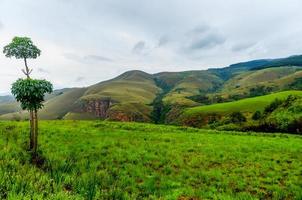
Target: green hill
(162,97)
(267,80)
(244,105)
(220,113)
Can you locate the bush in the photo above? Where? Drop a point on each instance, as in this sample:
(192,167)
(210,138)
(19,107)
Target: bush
(257,115)
(273,106)
(237,117)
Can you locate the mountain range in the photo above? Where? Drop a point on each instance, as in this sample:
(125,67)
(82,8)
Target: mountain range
(162,97)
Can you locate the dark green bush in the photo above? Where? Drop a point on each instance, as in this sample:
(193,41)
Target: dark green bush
(237,117)
(257,115)
(273,106)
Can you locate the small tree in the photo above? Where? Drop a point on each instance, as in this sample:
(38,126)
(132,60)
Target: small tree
(29,92)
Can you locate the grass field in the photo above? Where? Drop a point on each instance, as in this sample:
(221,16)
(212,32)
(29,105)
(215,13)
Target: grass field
(244,105)
(108,160)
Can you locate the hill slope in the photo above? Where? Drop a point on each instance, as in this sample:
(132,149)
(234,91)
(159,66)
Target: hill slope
(221,113)
(161,97)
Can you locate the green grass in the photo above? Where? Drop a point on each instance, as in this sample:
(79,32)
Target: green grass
(107,160)
(279,78)
(190,84)
(244,105)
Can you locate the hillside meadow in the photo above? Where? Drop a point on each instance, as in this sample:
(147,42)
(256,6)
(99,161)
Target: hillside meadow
(244,105)
(112,160)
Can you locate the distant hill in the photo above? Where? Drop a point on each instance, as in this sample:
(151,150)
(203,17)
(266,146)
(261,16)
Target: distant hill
(162,97)
(279,111)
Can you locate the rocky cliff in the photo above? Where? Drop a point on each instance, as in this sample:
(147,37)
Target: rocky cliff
(99,107)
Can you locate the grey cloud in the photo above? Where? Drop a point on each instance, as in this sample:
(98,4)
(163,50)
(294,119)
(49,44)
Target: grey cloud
(207,41)
(163,41)
(89,59)
(139,47)
(204,37)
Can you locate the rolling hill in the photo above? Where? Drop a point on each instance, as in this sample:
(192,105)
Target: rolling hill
(274,112)
(139,96)
(248,105)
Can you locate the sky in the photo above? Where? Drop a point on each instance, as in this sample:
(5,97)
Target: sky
(88,41)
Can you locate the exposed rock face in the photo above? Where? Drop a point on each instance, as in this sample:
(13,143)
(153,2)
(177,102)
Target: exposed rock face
(98,107)
(127,117)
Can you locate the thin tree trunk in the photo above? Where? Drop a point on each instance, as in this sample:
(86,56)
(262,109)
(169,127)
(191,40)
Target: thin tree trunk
(35,132)
(27,72)
(31,136)
(31,112)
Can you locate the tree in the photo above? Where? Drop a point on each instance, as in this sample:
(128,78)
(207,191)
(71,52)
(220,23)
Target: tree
(29,92)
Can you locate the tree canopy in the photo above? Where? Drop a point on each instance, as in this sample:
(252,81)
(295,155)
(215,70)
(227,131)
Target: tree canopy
(21,48)
(30,92)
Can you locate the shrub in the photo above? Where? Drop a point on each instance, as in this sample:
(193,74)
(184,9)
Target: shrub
(237,117)
(273,106)
(257,115)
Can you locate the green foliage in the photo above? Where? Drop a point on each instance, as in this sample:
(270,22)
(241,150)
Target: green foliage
(260,90)
(257,115)
(271,113)
(273,106)
(297,84)
(21,47)
(108,160)
(30,92)
(244,105)
(237,117)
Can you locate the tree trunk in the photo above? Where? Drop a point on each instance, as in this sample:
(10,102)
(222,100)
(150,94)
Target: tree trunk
(31,136)
(35,146)
(31,113)
(27,72)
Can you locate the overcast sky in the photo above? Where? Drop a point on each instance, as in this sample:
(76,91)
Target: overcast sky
(87,41)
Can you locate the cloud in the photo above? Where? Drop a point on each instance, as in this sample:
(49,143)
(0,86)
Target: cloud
(139,47)
(1,25)
(204,37)
(163,40)
(41,70)
(88,59)
(79,79)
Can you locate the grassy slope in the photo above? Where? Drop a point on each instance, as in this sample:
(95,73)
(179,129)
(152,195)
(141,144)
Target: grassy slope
(132,92)
(278,78)
(102,160)
(244,105)
(56,106)
(10,107)
(186,84)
